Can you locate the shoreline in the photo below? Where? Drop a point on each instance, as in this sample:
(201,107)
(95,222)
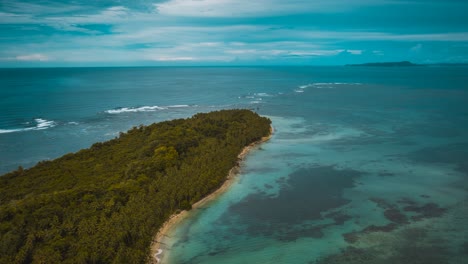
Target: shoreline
(157,246)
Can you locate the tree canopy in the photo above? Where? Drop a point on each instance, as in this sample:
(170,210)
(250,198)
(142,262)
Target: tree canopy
(104,204)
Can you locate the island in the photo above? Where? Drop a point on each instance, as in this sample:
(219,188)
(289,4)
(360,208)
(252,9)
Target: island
(385,64)
(105,204)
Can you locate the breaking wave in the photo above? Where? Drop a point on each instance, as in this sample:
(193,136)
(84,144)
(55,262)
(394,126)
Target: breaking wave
(153,108)
(329,85)
(40,124)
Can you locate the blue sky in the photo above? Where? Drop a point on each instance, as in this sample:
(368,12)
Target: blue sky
(230,32)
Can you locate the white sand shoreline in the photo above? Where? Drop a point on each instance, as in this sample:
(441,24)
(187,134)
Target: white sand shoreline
(157,247)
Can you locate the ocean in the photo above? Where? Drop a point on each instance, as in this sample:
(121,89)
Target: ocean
(366,164)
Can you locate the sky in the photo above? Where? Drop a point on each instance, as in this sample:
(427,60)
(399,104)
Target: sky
(55,33)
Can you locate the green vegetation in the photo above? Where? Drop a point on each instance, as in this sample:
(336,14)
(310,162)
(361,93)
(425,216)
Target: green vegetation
(105,204)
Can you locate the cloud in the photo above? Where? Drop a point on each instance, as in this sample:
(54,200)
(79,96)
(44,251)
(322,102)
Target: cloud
(249,8)
(172,58)
(111,15)
(11,18)
(223,30)
(32,57)
(374,36)
(39,9)
(207,43)
(74,21)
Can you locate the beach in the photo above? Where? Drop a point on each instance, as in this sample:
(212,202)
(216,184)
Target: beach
(158,245)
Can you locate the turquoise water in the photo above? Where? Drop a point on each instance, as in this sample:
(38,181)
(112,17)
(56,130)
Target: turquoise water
(366,165)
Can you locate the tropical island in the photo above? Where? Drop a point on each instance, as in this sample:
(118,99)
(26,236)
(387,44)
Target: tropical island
(105,204)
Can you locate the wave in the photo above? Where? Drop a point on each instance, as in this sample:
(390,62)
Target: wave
(4,131)
(305,86)
(325,85)
(41,124)
(44,124)
(153,108)
(134,109)
(177,106)
(263,94)
(160,251)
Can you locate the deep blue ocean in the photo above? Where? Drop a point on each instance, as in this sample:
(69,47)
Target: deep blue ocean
(366,165)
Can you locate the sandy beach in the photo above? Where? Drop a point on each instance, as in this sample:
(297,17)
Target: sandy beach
(158,246)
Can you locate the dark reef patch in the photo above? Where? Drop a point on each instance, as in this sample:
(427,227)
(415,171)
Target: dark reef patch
(394,215)
(352,237)
(386,228)
(451,154)
(339,217)
(428,210)
(349,255)
(291,234)
(397,216)
(412,247)
(408,254)
(304,195)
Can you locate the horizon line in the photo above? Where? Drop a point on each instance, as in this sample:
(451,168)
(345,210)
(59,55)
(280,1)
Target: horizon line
(222,65)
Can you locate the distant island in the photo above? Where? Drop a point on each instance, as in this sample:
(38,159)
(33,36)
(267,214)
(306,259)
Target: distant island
(105,204)
(385,64)
(404,64)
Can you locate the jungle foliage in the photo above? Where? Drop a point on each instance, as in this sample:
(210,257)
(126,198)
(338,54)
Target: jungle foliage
(104,204)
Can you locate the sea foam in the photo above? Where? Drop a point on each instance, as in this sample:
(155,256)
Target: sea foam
(328,85)
(263,94)
(178,106)
(40,124)
(135,109)
(153,108)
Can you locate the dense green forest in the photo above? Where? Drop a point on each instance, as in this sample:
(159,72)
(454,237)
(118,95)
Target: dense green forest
(104,204)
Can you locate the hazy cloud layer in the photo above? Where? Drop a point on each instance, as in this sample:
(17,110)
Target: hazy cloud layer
(145,32)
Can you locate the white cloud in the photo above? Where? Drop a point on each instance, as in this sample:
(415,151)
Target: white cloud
(32,57)
(139,36)
(459,36)
(11,18)
(43,8)
(201,43)
(249,8)
(156,58)
(111,15)
(363,35)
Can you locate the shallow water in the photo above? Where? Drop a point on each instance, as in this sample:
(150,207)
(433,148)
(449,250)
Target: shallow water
(367,165)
